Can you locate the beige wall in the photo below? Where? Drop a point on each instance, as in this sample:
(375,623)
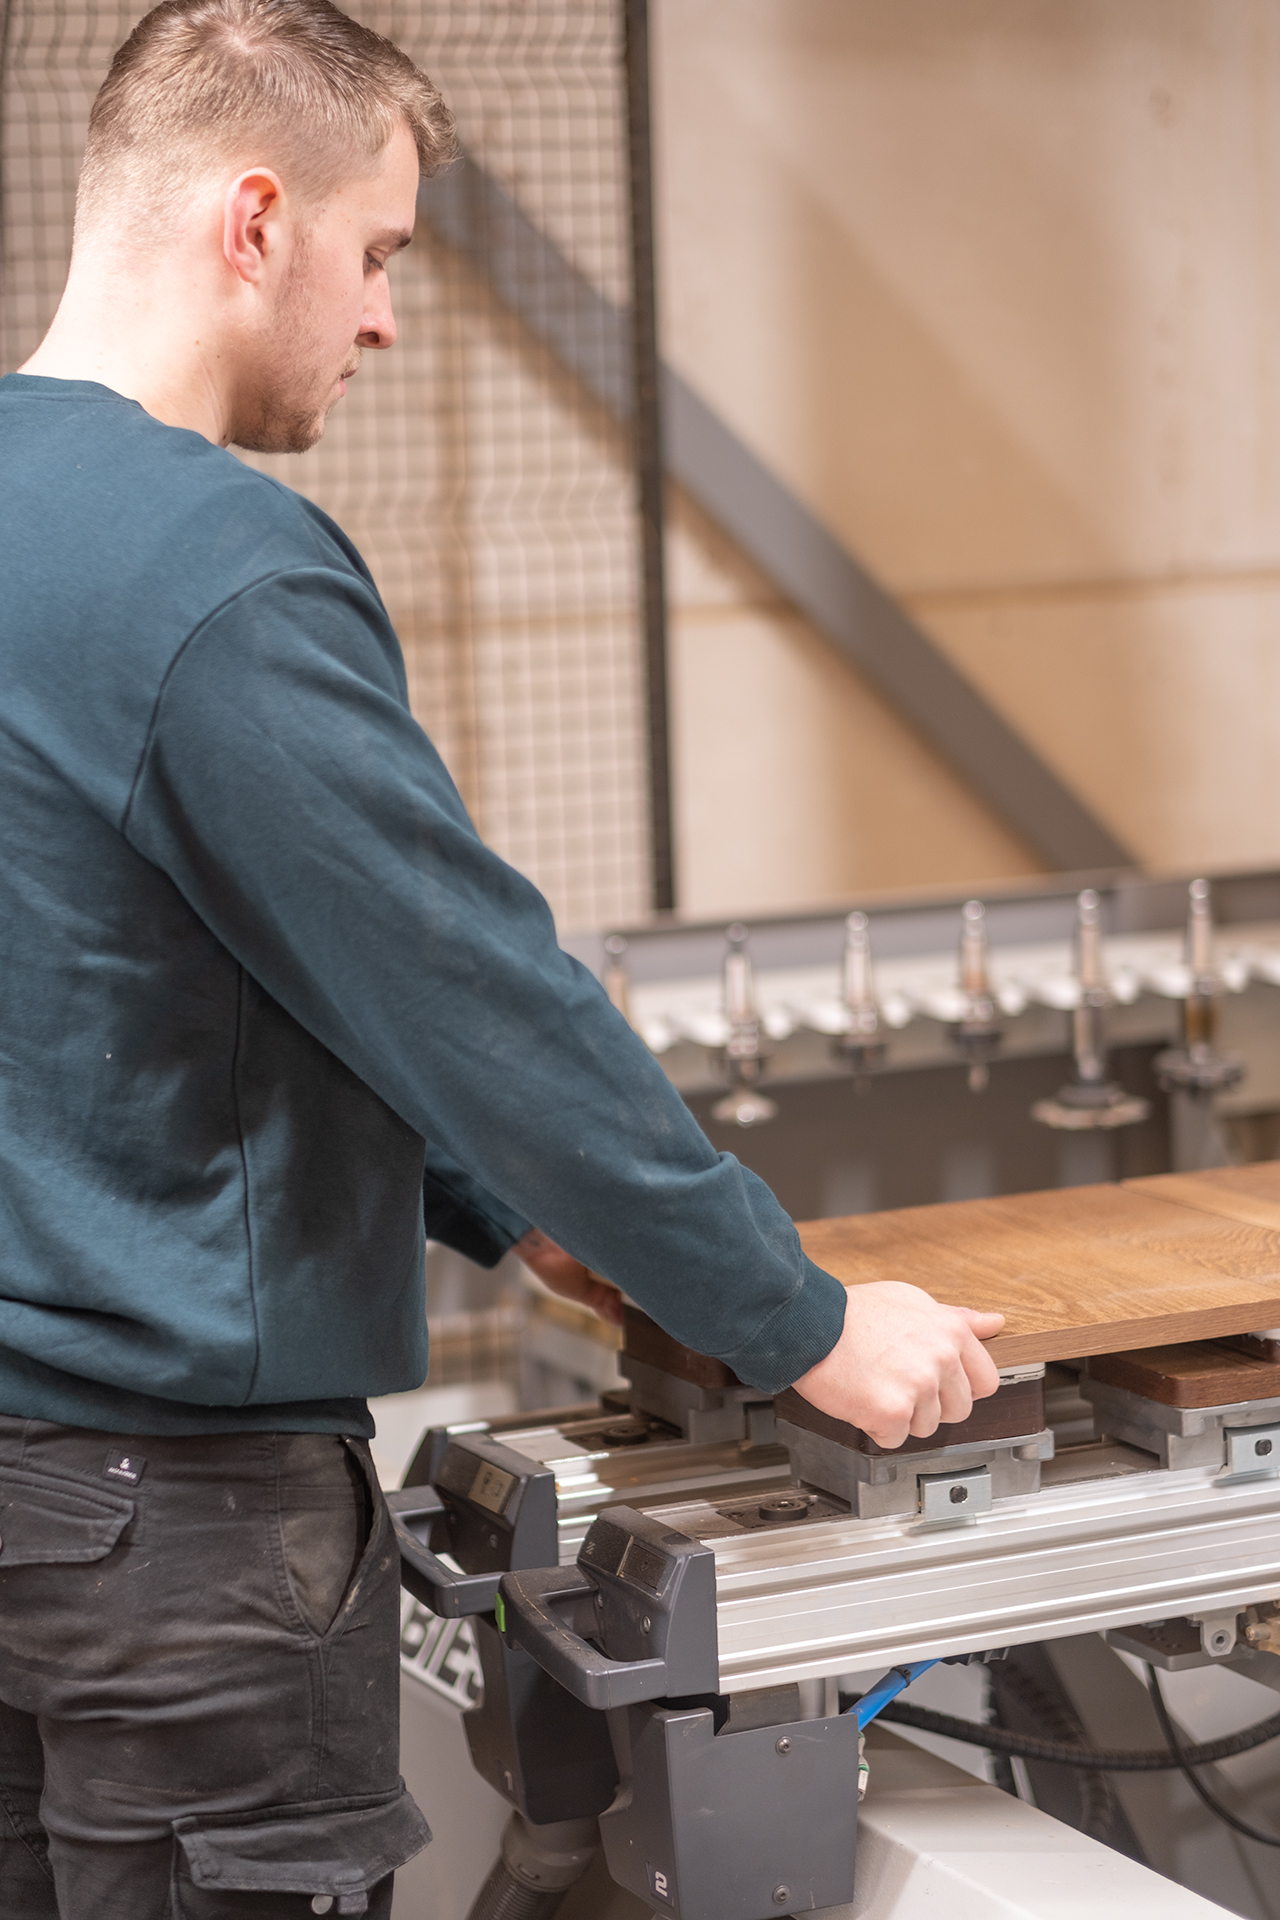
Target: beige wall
(993,285)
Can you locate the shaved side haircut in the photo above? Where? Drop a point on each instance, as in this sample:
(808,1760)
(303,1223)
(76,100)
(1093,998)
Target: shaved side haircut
(291,84)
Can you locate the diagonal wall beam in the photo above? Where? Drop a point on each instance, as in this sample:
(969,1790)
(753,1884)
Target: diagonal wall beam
(469,211)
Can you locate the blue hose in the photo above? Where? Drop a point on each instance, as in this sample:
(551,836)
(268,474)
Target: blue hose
(886,1690)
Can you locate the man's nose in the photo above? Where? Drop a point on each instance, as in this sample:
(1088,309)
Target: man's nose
(378,322)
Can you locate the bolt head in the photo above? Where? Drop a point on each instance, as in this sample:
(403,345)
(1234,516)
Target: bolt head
(645,1624)
(783,1745)
(781,1895)
(1262,1448)
(958,1496)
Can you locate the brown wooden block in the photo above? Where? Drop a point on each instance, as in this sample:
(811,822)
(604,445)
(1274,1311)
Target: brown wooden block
(1203,1373)
(1258,1346)
(645,1340)
(1014,1409)
(1075,1271)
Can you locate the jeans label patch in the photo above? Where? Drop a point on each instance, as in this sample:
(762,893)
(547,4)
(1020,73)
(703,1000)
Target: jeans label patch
(124,1466)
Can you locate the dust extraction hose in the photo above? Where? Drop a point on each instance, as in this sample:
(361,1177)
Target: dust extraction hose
(535,1869)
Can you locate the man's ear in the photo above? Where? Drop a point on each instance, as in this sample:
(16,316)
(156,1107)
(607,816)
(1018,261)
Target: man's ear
(251,220)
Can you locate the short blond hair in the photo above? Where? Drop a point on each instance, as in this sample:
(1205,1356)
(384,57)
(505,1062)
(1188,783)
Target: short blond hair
(304,86)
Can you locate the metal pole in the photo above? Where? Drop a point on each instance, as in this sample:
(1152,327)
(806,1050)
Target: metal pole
(647,442)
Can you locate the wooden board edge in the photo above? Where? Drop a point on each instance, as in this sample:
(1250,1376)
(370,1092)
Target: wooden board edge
(1121,1336)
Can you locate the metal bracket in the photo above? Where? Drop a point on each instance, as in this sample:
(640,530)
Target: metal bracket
(1253,1450)
(879,1485)
(953,1499)
(1217,1633)
(1185,1436)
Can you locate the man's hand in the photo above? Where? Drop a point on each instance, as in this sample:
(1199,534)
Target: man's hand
(903,1363)
(566,1276)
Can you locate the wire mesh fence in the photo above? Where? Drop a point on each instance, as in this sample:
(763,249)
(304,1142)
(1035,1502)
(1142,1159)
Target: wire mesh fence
(495,503)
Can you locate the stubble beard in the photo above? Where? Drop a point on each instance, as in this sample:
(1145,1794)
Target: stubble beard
(288,409)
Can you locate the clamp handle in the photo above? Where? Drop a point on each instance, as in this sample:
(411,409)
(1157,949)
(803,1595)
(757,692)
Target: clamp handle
(531,1604)
(447,1592)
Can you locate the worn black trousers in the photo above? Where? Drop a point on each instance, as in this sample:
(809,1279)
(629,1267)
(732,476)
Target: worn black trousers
(198,1678)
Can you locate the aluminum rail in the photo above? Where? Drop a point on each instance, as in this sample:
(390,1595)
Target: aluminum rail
(836,1596)
(589,1480)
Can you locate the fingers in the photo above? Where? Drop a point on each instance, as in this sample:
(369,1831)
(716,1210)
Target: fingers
(605,1300)
(956,1395)
(980,1369)
(926,1415)
(985,1325)
(889,1425)
(946,1399)
(904,1364)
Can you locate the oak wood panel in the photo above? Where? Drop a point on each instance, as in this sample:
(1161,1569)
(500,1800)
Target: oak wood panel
(1075,1271)
(1238,1193)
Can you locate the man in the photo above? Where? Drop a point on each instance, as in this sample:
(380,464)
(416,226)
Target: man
(263,991)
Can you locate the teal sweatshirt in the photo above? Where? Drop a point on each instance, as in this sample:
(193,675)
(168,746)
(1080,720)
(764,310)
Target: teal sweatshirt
(264,992)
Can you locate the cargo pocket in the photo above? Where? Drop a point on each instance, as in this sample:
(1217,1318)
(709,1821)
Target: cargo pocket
(328,1855)
(46,1521)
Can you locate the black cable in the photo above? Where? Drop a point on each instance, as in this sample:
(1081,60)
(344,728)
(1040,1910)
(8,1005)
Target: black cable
(1105,1759)
(1027,1695)
(1186,1763)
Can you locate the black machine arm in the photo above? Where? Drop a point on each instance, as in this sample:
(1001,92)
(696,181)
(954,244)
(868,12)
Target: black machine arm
(445,1590)
(635,1620)
(536,1611)
(490,1508)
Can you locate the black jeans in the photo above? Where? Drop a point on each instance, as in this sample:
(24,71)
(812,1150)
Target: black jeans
(199,1680)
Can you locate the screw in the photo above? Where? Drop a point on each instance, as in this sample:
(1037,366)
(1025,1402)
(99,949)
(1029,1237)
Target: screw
(645,1624)
(783,1745)
(493,1539)
(959,1495)
(1219,1640)
(1262,1448)
(781,1895)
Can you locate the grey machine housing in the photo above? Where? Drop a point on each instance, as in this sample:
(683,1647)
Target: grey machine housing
(715,1818)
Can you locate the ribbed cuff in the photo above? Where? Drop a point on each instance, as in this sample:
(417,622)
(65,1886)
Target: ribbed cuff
(801,1332)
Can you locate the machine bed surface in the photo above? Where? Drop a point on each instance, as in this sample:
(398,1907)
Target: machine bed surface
(1084,1270)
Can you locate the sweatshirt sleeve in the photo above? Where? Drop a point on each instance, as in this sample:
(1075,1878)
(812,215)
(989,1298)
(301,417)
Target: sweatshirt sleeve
(460,1213)
(290,795)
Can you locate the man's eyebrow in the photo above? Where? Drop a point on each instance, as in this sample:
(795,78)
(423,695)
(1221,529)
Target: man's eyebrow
(395,239)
